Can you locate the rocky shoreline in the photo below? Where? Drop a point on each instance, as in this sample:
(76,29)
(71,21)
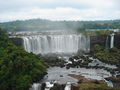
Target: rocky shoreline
(87,83)
(82,61)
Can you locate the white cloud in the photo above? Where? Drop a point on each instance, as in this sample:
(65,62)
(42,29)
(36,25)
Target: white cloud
(59,9)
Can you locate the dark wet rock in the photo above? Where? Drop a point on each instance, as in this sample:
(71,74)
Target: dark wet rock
(54,61)
(67,67)
(116,85)
(58,87)
(113,79)
(62,66)
(96,81)
(17,41)
(71,59)
(76,57)
(43,86)
(74,87)
(61,75)
(118,76)
(80,81)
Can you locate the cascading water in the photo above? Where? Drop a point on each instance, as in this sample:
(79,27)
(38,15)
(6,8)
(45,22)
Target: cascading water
(45,44)
(36,86)
(112,40)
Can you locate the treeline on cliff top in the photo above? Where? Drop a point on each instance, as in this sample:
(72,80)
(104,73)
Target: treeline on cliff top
(41,24)
(107,55)
(18,68)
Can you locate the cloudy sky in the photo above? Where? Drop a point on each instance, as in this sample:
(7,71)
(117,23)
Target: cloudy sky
(59,9)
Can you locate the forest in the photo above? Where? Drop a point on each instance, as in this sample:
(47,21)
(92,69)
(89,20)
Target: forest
(18,68)
(43,24)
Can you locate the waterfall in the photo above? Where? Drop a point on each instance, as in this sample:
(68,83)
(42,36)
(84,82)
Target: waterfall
(112,40)
(68,86)
(45,44)
(36,86)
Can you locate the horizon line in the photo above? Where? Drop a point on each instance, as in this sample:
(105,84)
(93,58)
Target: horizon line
(57,20)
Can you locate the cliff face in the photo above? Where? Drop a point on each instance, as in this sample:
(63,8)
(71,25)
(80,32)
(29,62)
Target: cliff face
(117,41)
(104,41)
(101,40)
(17,41)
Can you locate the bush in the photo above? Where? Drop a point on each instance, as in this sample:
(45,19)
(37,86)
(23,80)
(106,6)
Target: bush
(18,68)
(111,55)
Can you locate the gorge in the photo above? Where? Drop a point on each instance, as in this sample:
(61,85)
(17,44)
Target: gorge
(59,44)
(66,43)
(62,43)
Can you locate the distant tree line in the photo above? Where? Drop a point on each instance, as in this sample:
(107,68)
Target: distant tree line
(40,24)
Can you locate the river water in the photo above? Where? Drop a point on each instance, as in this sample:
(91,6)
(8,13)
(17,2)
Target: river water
(45,43)
(60,75)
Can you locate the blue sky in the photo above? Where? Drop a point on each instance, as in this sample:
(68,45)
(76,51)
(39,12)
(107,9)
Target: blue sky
(59,9)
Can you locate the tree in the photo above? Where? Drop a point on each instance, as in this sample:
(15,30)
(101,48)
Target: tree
(18,68)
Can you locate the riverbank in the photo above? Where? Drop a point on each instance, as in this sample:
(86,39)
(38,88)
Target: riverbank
(88,84)
(64,69)
(83,65)
(81,61)
(61,76)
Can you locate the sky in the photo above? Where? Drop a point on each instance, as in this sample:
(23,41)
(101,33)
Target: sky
(59,9)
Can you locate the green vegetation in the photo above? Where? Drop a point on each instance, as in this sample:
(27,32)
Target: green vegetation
(18,68)
(40,24)
(106,24)
(89,84)
(93,86)
(111,55)
(58,87)
(98,32)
